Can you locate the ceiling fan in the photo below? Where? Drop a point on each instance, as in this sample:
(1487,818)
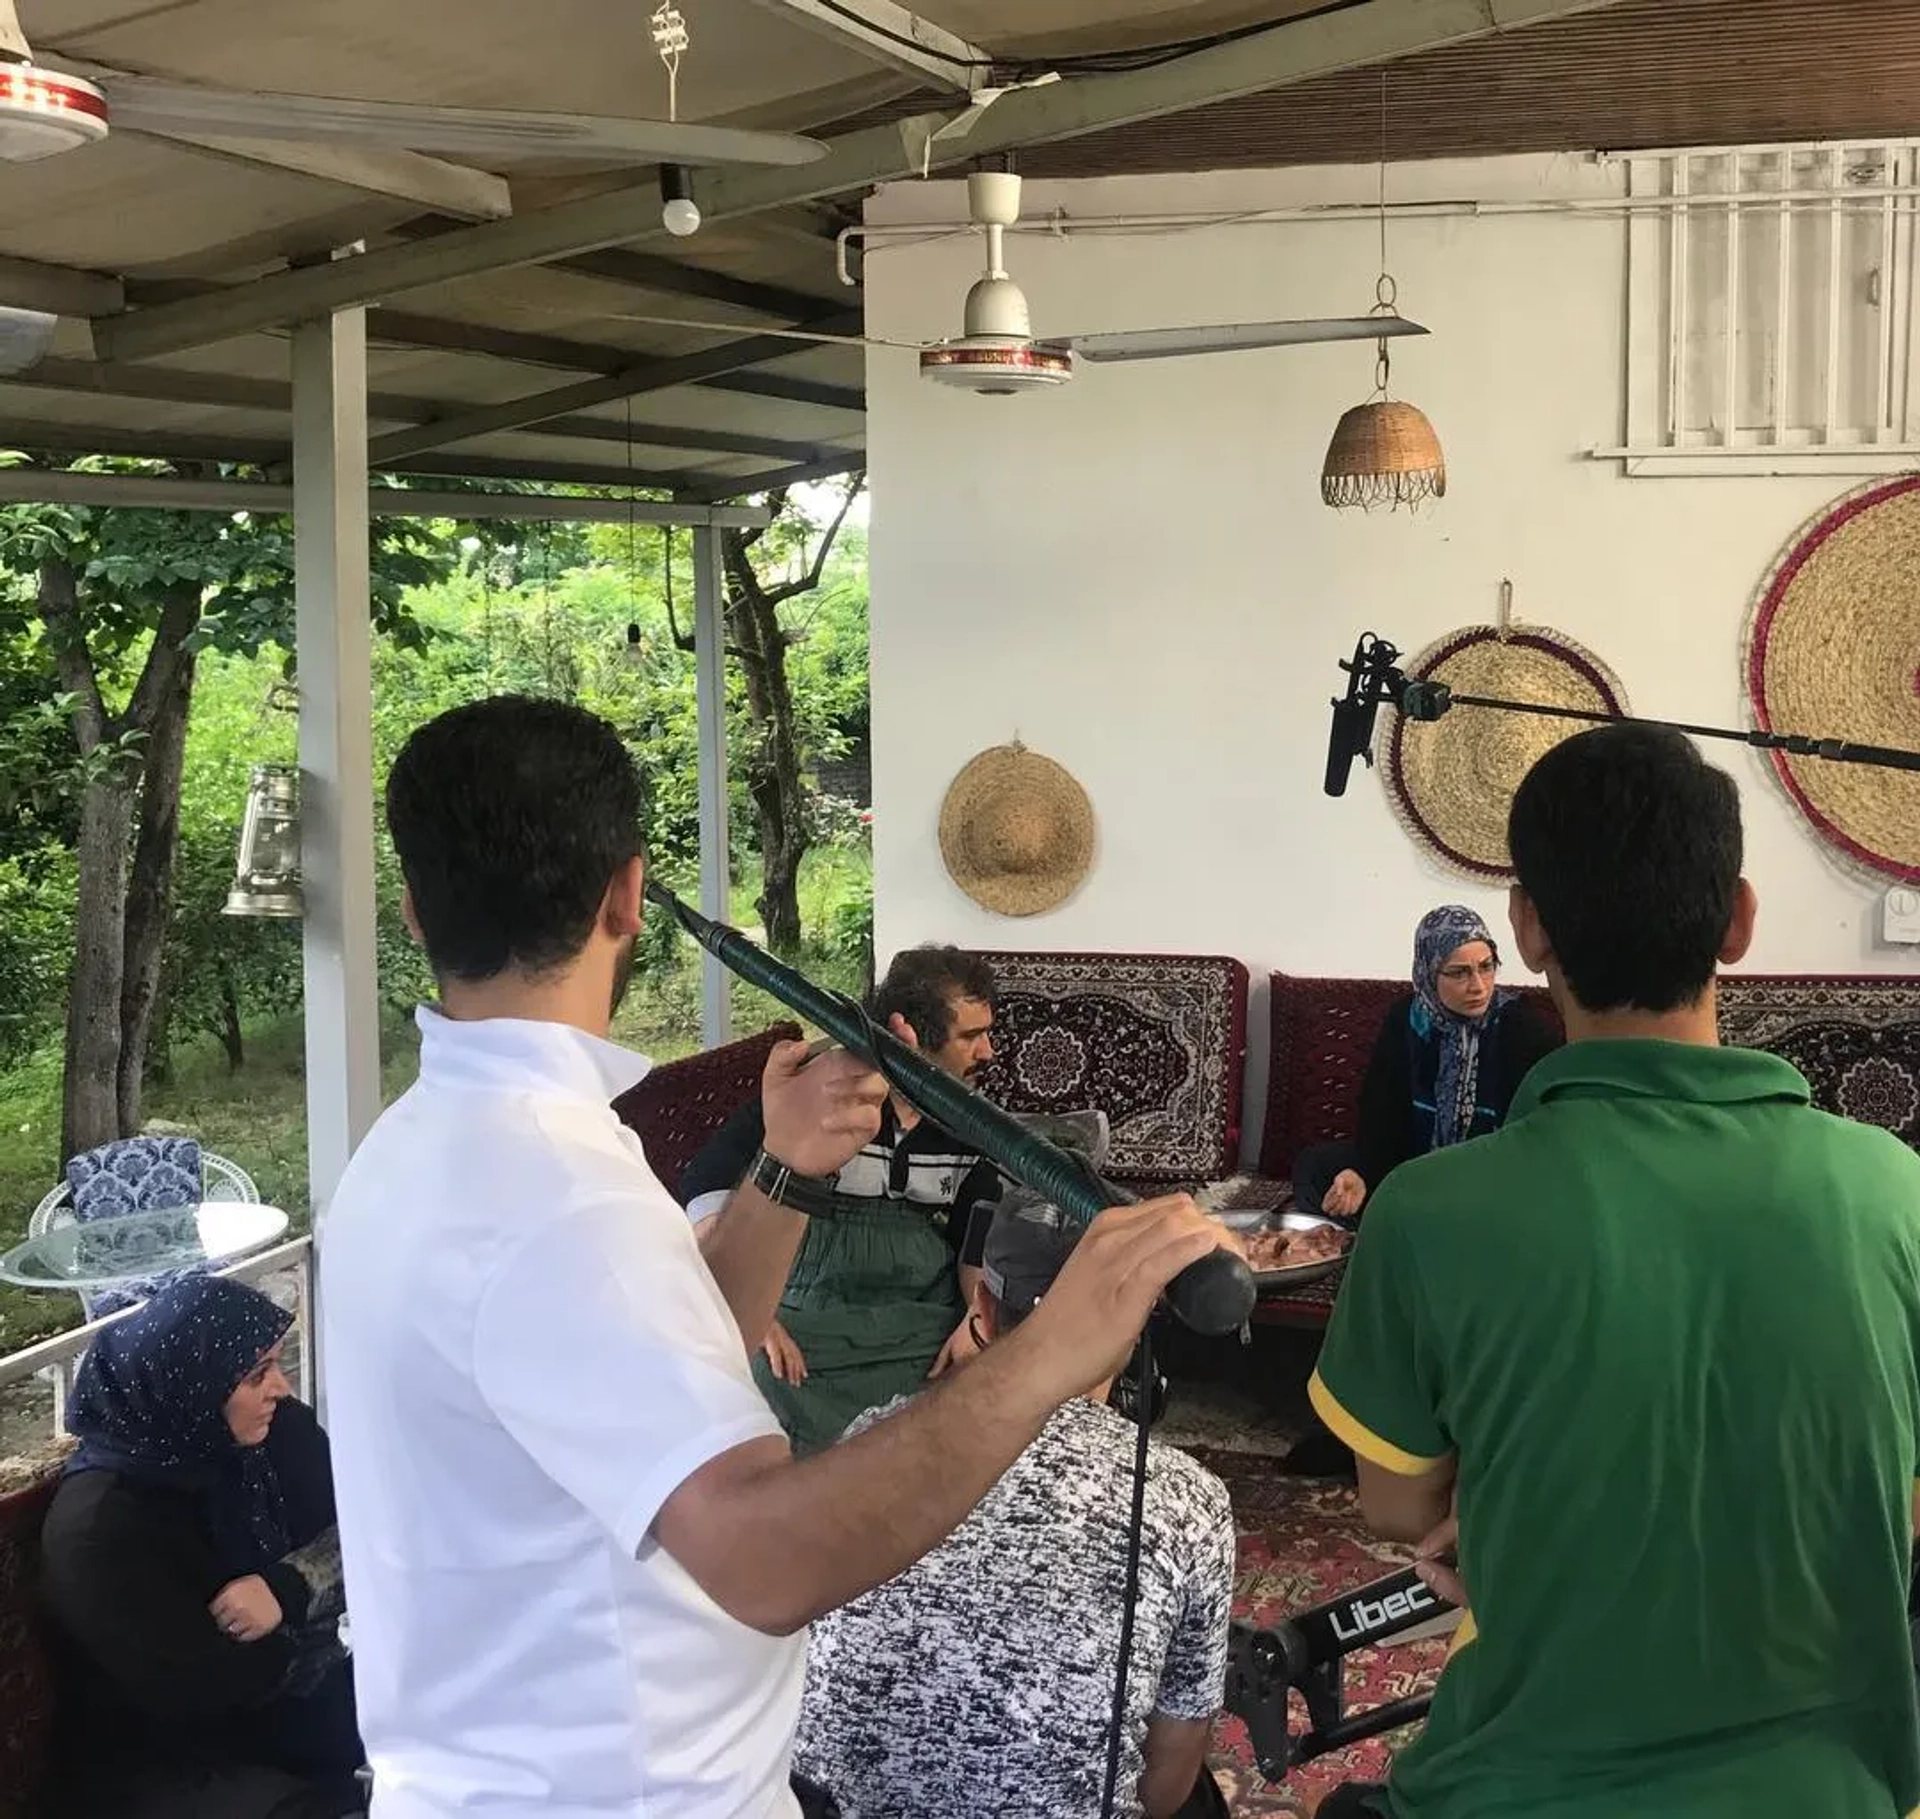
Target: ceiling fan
(45,111)
(998,353)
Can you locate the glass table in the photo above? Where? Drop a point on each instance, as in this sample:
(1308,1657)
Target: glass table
(107,1252)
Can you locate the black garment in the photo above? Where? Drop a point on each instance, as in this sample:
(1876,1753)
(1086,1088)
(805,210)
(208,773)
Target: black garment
(924,1166)
(1356,1800)
(815,1801)
(1314,1172)
(161,1702)
(1395,1117)
(1206,1801)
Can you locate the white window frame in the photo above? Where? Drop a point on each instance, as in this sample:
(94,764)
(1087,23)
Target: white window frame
(1666,324)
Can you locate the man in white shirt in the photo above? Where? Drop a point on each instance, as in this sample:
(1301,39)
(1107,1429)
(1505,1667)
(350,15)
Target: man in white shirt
(579,1554)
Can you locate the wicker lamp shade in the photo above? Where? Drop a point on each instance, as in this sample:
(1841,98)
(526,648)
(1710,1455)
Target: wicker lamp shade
(1383,452)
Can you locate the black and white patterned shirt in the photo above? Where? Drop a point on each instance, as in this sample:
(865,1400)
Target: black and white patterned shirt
(980,1681)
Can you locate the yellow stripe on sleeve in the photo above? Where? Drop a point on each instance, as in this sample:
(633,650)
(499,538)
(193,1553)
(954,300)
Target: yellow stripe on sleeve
(1362,1438)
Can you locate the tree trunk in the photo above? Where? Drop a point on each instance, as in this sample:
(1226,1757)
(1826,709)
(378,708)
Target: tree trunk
(150,881)
(759,641)
(112,989)
(229,1031)
(90,1105)
(160,1036)
(773,768)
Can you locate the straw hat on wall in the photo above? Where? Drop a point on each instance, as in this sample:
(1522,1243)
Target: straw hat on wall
(1016,831)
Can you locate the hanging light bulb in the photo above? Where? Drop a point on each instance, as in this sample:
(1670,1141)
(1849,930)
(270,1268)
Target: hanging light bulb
(1384,451)
(267,873)
(679,213)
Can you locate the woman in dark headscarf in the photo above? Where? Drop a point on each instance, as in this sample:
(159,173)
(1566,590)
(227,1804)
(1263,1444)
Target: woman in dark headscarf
(1447,1063)
(191,1567)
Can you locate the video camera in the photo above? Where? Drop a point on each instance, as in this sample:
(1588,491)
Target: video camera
(1265,1666)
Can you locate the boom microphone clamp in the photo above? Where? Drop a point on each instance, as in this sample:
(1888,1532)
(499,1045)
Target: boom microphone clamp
(1215,1295)
(1305,1652)
(1374,679)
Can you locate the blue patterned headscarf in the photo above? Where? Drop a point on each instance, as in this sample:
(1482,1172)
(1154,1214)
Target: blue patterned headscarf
(1441,933)
(149,1401)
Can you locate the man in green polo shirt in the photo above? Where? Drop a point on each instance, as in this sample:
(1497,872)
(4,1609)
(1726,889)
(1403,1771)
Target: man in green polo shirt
(1655,1342)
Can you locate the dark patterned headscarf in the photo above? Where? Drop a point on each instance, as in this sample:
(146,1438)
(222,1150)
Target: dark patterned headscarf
(149,1401)
(1441,933)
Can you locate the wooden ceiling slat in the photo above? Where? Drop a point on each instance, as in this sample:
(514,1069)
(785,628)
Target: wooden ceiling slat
(1644,73)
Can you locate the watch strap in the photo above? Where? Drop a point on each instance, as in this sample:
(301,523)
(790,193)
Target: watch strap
(809,1194)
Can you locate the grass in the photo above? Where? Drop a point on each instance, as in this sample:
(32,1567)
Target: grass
(257,1116)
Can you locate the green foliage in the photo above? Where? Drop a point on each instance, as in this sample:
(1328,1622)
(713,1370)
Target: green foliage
(36,944)
(239,566)
(222,971)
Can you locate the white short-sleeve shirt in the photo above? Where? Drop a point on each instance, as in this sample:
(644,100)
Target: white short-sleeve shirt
(524,1356)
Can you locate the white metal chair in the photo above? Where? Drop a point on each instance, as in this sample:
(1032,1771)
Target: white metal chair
(219,1180)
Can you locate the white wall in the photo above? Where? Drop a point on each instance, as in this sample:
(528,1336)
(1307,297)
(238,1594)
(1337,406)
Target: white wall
(1136,575)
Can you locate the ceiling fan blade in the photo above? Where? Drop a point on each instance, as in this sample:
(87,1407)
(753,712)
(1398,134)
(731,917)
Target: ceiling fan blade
(152,104)
(1229,337)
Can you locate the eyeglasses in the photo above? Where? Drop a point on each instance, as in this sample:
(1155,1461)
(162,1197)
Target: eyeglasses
(1464,975)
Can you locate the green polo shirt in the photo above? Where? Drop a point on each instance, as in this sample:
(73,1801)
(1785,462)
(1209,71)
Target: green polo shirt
(1668,1320)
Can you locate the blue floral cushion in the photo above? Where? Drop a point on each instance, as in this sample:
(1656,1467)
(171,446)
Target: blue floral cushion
(134,1175)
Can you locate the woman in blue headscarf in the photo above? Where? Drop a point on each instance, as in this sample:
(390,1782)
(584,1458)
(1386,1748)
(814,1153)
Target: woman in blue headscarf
(1447,1063)
(191,1567)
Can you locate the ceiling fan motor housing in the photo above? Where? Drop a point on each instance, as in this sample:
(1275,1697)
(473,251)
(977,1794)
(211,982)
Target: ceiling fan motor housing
(43,112)
(996,368)
(997,307)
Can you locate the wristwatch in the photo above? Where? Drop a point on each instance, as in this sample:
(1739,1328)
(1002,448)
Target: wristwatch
(809,1194)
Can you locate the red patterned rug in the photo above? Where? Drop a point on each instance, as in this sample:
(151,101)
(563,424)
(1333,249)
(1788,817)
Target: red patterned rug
(1301,1541)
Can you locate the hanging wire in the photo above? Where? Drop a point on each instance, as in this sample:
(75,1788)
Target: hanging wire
(670,40)
(633,552)
(486,610)
(1383,452)
(549,646)
(1383,167)
(1386,293)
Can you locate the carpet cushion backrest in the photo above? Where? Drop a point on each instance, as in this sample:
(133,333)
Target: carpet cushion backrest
(1857,1040)
(27,1686)
(679,1105)
(1156,1041)
(1321,1036)
(1321,1039)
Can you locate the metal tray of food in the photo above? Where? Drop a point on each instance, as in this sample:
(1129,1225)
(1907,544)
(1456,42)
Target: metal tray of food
(1292,1275)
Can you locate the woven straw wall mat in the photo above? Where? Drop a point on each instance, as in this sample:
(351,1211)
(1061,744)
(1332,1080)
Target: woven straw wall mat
(1452,780)
(1833,651)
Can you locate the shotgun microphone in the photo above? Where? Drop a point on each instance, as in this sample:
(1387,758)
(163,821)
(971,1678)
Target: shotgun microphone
(1371,679)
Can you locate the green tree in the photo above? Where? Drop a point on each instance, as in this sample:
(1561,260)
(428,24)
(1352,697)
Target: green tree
(125,602)
(763,572)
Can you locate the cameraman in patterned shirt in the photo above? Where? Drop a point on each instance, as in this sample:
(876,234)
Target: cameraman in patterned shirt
(980,1681)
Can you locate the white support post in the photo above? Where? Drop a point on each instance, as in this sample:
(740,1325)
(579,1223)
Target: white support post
(334,655)
(710,696)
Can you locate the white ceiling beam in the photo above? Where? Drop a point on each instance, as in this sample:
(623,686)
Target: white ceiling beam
(60,486)
(891,35)
(777,479)
(1373,32)
(653,373)
(60,290)
(410,177)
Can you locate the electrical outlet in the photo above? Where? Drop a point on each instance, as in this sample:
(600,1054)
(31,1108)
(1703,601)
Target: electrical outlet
(1901,921)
